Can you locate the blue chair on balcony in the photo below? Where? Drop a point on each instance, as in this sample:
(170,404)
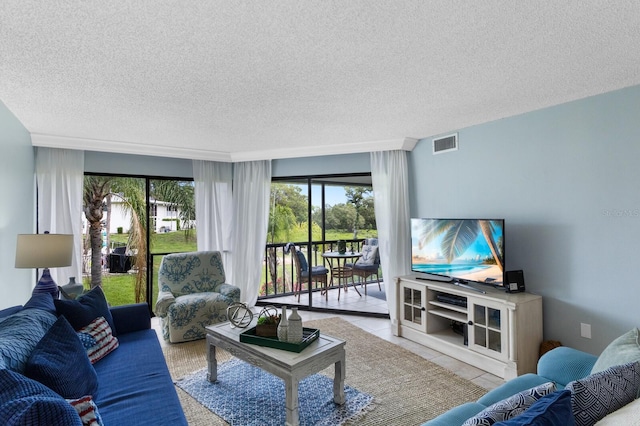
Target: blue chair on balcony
(318,273)
(369,264)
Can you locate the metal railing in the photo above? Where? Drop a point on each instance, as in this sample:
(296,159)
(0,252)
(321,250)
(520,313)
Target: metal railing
(279,271)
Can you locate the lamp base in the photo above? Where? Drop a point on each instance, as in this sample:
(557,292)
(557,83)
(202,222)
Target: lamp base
(46,285)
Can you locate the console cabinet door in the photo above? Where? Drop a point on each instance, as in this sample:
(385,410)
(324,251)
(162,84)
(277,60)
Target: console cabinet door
(413,299)
(488,328)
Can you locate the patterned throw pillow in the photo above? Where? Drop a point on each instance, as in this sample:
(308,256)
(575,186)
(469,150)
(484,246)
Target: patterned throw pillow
(87,410)
(19,335)
(510,407)
(369,254)
(599,394)
(97,339)
(59,361)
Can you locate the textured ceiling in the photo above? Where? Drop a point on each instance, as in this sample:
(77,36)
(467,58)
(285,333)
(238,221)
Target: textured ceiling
(267,79)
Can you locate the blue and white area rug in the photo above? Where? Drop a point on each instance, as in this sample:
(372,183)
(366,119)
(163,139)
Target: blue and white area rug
(247,395)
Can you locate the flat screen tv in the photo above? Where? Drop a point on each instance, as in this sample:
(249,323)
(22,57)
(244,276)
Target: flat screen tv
(460,250)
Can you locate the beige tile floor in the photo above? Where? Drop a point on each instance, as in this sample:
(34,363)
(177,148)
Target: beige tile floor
(382,328)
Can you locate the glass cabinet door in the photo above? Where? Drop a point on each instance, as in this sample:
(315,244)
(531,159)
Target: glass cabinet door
(413,305)
(488,329)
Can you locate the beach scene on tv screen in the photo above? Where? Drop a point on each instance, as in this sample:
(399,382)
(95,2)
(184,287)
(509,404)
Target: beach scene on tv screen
(467,249)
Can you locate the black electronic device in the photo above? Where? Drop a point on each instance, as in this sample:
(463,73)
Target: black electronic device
(514,281)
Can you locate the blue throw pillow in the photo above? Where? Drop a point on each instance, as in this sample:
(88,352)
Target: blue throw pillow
(26,402)
(86,308)
(42,301)
(19,335)
(550,410)
(60,362)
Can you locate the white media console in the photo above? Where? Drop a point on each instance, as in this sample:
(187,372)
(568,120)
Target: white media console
(502,331)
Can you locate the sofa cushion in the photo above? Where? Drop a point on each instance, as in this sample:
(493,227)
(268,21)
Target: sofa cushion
(553,409)
(87,410)
(510,407)
(19,335)
(85,309)
(26,402)
(622,350)
(97,339)
(60,362)
(135,384)
(599,394)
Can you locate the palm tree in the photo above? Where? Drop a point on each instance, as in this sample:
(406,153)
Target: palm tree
(96,188)
(459,235)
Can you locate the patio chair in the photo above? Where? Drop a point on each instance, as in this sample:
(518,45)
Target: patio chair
(369,264)
(192,294)
(318,273)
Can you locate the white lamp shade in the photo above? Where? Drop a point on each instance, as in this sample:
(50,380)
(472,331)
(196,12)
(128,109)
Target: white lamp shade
(44,250)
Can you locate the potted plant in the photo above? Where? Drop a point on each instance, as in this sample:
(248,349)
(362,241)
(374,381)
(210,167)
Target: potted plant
(268,321)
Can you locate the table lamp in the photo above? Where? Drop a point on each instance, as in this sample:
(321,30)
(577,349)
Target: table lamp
(44,251)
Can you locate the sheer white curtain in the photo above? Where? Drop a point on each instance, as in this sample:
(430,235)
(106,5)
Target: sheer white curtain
(251,189)
(390,179)
(60,179)
(214,209)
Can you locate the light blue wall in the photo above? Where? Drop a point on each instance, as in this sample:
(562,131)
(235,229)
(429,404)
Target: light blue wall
(567,181)
(17,209)
(325,165)
(142,165)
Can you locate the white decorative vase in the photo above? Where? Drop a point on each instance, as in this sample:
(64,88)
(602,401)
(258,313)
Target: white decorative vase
(283,326)
(295,327)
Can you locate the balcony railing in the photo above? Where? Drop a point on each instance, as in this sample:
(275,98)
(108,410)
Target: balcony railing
(279,272)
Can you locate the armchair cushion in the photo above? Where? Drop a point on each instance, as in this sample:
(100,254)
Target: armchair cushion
(315,271)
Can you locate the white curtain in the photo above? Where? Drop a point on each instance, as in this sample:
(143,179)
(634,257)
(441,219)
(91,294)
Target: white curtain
(60,179)
(251,189)
(214,209)
(390,179)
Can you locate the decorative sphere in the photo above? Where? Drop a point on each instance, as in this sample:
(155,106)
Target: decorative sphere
(239,315)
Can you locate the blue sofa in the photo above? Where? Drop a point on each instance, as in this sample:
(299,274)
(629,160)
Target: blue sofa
(568,369)
(134,384)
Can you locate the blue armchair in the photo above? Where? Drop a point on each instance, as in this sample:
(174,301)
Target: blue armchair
(192,294)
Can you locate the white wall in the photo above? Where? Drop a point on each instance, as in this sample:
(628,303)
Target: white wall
(567,181)
(17,211)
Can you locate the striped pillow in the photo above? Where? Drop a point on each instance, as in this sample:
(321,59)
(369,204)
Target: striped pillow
(98,339)
(87,410)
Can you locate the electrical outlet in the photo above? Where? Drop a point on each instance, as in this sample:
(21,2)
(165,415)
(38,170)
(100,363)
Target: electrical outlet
(585,330)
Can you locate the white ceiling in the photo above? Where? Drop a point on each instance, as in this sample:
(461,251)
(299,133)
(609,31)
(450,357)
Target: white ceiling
(243,80)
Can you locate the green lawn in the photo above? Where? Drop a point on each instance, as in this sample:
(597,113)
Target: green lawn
(119,288)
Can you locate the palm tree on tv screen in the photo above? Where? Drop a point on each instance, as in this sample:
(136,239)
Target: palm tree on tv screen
(458,236)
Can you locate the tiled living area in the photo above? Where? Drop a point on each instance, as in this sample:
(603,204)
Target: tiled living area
(382,328)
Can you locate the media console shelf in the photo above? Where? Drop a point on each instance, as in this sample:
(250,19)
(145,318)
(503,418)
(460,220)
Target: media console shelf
(495,331)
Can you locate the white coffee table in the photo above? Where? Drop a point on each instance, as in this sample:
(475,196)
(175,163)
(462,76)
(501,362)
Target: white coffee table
(289,366)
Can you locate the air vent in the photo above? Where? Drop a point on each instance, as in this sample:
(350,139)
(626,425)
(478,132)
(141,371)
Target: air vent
(445,144)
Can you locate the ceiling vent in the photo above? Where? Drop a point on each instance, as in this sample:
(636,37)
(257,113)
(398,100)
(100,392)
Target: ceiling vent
(445,144)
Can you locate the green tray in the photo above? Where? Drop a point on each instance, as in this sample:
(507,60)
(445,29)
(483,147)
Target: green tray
(308,336)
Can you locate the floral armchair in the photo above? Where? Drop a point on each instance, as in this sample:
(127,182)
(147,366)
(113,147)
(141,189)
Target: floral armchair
(192,294)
